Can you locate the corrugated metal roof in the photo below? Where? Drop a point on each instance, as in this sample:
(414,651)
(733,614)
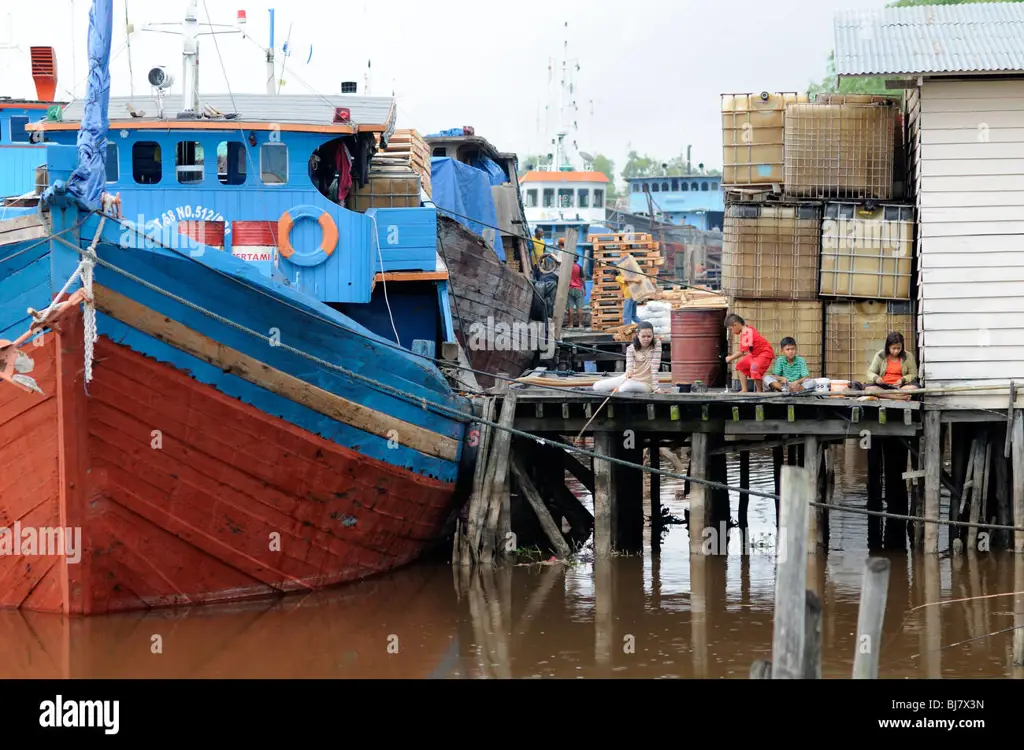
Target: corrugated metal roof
(968,38)
(269,108)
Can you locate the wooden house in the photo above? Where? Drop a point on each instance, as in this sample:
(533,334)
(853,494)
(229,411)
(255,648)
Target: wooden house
(962,70)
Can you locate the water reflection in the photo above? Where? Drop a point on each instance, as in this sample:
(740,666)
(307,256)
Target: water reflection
(667,615)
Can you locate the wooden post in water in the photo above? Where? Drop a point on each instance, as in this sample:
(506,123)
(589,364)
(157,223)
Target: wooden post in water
(791,575)
(815,534)
(812,637)
(1017,456)
(981,452)
(491,544)
(655,454)
(700,494)
(604,496)
(547,523)
(869,622)
(931,462)
(745,484)
(1018,614)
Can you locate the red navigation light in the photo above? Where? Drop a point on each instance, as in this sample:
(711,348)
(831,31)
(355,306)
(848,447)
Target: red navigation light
(241,16)
(342,114)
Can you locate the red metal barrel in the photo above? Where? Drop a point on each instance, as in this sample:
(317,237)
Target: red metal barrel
(209,233)
(697,345)
(254,240)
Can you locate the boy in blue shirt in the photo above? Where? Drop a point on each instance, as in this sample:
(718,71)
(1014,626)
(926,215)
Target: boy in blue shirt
(790,372)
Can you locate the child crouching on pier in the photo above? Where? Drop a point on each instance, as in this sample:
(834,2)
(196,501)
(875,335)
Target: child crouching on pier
(643,362)
(791,373)
(755,354)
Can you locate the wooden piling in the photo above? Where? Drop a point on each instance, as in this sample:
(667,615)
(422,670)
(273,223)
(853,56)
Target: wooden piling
(1018,615)
(551,529)
(812,636)
(745,484)
(869,621)
(604,494)
(490,543)
(981,452)
(655,461)
(789,636)
(1017,457)
(931,462)
(812,462)
(700,506)
(468,534)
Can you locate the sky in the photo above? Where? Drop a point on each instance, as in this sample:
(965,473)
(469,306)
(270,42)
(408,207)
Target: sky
(651,72)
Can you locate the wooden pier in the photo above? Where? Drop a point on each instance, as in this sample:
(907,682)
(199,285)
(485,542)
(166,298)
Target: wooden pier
(549,428)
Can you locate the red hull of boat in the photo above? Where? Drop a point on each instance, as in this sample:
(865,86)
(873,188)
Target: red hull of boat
(223,503)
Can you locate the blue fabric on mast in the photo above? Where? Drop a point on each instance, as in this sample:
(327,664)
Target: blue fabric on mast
(86,183)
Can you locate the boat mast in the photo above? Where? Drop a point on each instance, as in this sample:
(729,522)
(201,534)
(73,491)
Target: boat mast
(190,30)
(271,74)
(566,104)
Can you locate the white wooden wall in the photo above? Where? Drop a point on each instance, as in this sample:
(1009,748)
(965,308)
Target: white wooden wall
(970,196)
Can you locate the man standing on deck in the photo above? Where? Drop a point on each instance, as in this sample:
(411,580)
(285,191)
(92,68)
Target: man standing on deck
(538,251)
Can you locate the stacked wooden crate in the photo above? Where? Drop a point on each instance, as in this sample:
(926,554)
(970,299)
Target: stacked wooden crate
(610,250)
(407,148)
(813,247)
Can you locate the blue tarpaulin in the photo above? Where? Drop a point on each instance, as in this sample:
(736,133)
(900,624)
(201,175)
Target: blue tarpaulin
(461,191)
(87,181)
(495,173)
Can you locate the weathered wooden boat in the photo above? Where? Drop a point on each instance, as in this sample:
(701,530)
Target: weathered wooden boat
(493,299)
(213,428)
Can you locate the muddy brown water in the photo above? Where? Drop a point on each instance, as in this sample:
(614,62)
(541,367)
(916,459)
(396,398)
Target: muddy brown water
(642,616)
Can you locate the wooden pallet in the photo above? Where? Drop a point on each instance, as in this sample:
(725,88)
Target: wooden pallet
(620,237)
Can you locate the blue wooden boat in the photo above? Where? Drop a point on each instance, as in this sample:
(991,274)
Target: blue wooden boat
(215,427)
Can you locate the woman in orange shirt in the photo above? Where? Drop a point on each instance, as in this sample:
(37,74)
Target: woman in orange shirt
(893,368)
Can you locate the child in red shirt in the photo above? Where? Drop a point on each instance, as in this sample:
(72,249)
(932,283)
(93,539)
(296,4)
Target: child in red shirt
(755,353)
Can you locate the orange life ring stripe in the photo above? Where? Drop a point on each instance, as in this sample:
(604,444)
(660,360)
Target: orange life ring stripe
(327,226)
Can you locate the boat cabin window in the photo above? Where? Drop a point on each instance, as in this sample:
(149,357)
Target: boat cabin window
(584,198)
(549,197)
(714,186)
(440,151)
(274,163)
(231,162)
(18,132)
(636,187)
(146,162)
(704,186)
(599,198)
(113,172)
(693,186)
(675,185)
(531,198)
(646,188)
(664,187)
(565,197)
(655,188)
(685,186)
(189,157)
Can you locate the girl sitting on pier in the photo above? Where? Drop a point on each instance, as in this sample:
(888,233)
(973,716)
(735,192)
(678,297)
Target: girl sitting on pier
(755,354)
(643,362)
(893,368)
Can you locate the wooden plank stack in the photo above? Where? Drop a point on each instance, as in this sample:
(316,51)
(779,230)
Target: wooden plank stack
(406,148)
(606,300)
